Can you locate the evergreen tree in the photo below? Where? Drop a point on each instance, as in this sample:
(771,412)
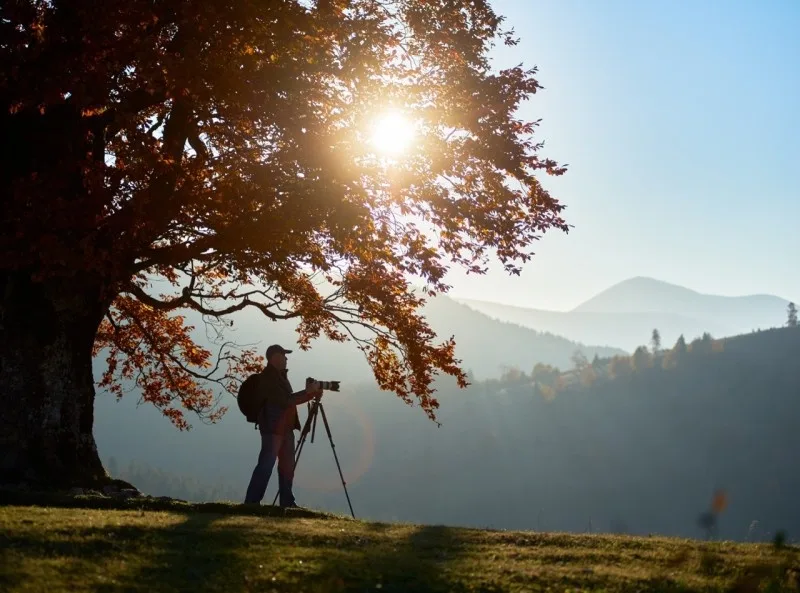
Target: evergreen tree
(791,320)
(677,354)
(655,341)
(680,346)
(641,359)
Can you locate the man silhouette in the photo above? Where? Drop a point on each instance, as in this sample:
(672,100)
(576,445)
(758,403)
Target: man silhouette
(277,421)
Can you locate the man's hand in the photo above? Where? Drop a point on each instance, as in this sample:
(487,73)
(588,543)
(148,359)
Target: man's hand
(313,388)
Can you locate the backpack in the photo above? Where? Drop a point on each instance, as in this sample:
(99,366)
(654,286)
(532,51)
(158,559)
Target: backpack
(249,398)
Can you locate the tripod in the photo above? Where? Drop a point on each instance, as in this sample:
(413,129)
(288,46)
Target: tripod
(311,426)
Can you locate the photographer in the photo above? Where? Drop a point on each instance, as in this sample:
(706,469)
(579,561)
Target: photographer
(277,421)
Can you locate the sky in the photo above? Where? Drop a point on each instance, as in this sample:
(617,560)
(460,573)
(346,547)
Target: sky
(680,123)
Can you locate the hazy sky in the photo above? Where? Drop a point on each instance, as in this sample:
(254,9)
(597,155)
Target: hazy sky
(680,122)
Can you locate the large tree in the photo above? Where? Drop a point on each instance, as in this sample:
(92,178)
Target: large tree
(222,148)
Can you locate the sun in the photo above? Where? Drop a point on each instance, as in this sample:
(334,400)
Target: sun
(392,133)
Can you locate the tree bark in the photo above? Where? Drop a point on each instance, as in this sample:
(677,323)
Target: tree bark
(47,330)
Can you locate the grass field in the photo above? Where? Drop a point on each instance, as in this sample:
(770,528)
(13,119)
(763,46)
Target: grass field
(223,548)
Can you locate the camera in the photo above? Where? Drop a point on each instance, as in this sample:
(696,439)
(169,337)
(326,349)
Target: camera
(328,385)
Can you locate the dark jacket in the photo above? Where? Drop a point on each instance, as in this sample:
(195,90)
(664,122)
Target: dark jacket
(279,412)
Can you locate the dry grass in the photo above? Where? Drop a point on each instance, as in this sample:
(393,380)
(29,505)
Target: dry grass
(102,550)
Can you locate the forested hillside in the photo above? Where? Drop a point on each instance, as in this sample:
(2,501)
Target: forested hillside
(633,444)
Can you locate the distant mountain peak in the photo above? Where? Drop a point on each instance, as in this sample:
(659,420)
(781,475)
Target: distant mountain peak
(625,314)
(644,294)
(649,282)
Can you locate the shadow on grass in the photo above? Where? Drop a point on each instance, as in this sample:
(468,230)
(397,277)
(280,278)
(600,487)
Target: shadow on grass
(191,555)
(200,553)
(434,559)
(425,561)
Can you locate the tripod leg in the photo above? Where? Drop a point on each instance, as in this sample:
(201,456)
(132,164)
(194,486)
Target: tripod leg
(311,422)
(336,457)
(314,427)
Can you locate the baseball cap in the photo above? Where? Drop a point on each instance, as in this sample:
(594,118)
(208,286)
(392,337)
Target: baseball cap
(276,348)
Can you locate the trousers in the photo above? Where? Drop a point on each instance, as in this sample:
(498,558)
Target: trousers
(274,447)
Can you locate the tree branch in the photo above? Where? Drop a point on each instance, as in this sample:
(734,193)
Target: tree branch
(186,301)
(176,254)
(136,101)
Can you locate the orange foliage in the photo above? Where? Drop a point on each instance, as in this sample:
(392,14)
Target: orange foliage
(222,146)
(156,352)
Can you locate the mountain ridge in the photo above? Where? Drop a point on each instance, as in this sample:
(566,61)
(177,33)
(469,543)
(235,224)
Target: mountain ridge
(625,314)
(608,299)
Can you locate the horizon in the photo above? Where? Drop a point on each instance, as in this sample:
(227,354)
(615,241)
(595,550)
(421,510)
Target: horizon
(459,297)
(651,107)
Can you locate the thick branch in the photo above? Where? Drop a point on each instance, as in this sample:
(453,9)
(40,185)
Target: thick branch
(185,301)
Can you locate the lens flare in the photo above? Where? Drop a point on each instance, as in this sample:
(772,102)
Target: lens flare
(392,133)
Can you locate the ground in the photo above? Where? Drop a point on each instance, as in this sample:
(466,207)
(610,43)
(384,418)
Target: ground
(129,545)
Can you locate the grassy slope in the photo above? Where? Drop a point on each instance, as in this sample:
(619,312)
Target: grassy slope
(230,548)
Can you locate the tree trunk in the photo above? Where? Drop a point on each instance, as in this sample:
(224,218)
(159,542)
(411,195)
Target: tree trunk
(47,330)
